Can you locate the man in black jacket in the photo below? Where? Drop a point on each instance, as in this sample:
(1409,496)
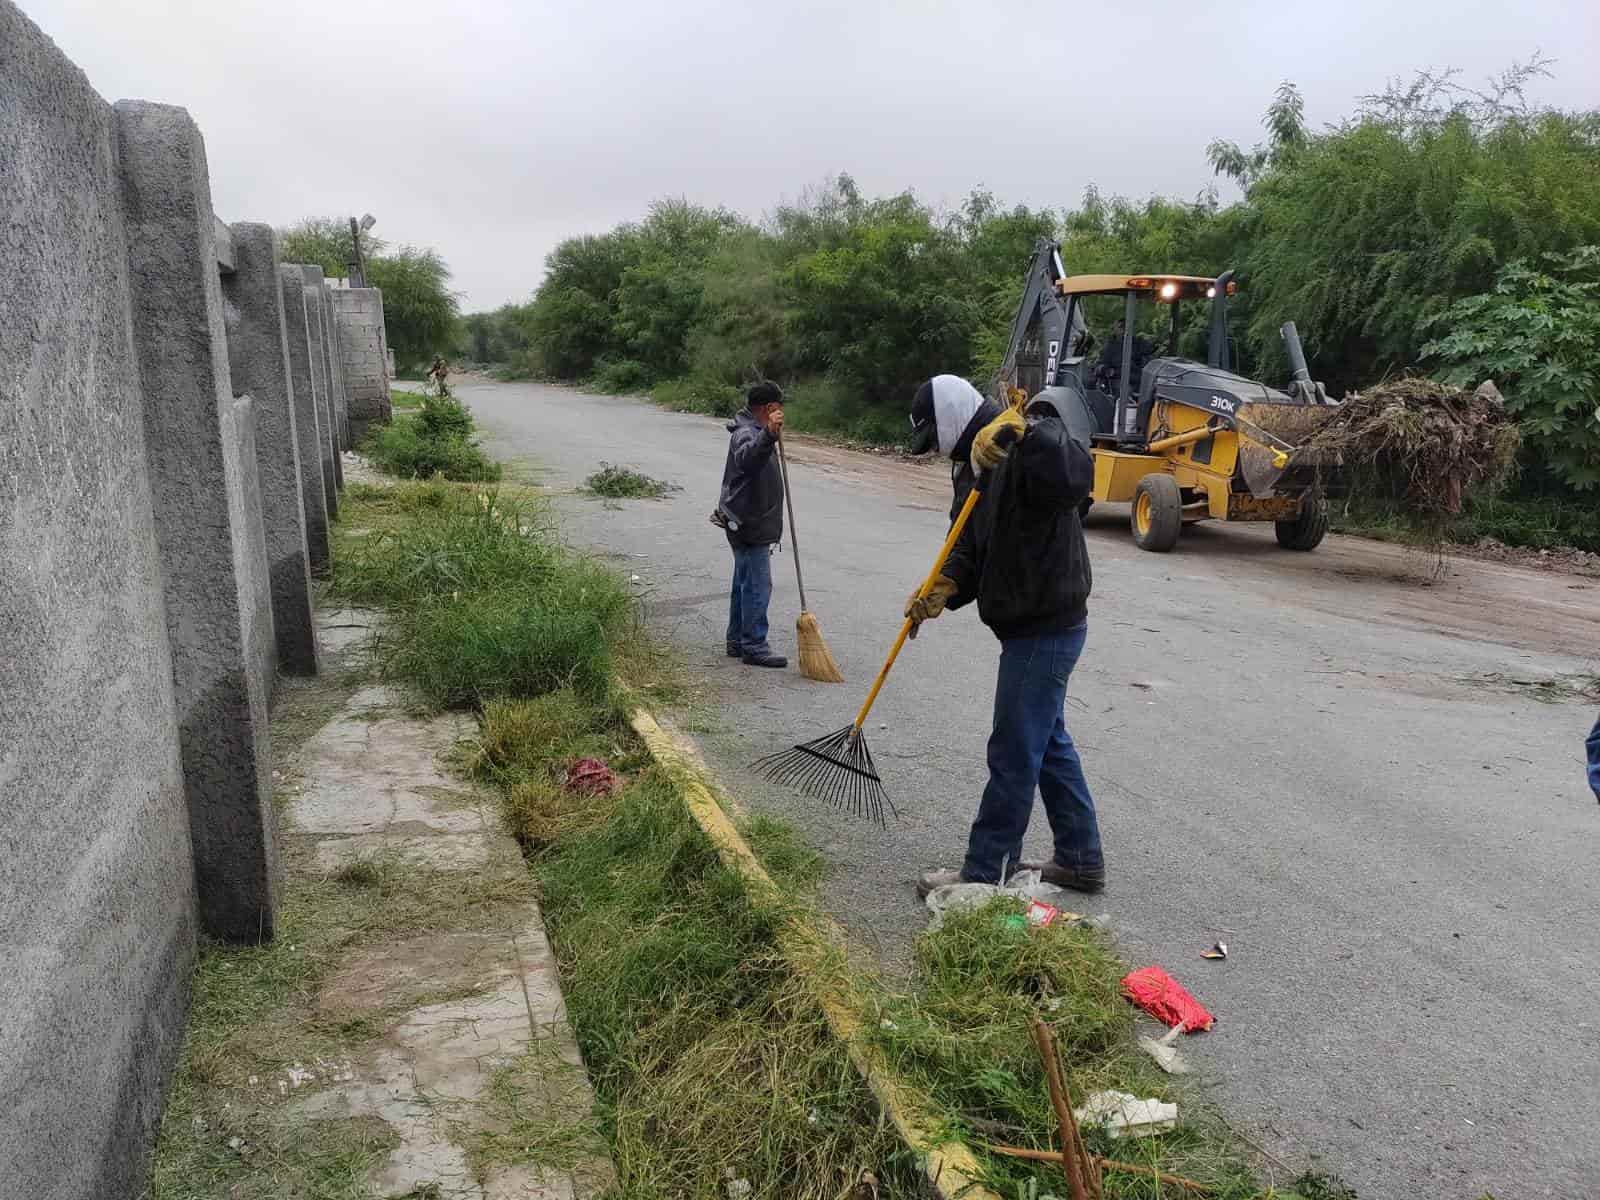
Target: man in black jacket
(1022,558)
(750,509)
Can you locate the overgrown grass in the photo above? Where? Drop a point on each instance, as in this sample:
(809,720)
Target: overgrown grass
(406,401)
(624,483)
(712,1063)
(436,440)
(484,602)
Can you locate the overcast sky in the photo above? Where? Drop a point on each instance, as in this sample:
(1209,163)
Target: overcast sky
(492,129)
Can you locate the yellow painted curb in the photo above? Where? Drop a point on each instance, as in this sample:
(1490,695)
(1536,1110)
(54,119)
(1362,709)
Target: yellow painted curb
(951,1169)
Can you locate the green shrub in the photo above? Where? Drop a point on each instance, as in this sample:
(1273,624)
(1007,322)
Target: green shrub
(619,376)
(436,441)
(624,483)
(828,405)
(698,394)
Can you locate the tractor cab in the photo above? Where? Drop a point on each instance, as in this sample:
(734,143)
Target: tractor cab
(1142,322)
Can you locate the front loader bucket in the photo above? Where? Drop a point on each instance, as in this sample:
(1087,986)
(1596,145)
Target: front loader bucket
(1265,430)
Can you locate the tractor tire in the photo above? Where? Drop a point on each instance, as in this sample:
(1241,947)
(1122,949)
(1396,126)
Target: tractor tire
(1307,530)
(1157,513)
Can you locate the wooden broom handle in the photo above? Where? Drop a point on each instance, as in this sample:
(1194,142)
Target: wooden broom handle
(905,629)
(794,535)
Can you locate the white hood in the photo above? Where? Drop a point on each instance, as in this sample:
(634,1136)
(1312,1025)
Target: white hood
(954,403)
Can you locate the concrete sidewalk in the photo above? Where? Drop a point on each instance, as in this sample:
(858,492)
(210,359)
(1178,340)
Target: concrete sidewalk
(484,1087)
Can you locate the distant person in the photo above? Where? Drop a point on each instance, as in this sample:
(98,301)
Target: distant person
(436,375)
(750,510)
(1593,745)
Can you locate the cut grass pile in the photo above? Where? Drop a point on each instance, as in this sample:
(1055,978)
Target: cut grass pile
(624,483)
(435,439)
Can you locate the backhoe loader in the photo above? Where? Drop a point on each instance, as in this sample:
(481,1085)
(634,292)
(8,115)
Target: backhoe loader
(1180,440)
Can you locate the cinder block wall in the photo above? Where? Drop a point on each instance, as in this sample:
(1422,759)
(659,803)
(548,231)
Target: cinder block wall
(364,345)
(97,909)
(143,478)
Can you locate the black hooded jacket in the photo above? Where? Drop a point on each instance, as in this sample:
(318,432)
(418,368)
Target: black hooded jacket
(1022,555)
(752,487)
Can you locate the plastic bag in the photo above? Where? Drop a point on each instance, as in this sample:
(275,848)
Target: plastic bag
(1024,885)
(1165,999)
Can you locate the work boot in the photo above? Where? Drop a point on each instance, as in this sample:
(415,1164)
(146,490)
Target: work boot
(765,659)
(735,651)
(1068,877)
(932,881)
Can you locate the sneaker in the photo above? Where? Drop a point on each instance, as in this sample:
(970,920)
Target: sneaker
(932,881)
(1066,877)
(767,659)
(734,651)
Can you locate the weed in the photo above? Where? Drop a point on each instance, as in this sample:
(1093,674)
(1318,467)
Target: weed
(405,401)
(624,483)
(362,873)
(483,602)
(437,440)
(521,736)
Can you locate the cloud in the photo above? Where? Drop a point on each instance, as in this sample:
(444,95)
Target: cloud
(491,129)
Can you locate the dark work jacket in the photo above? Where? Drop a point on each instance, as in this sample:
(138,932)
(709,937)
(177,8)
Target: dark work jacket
(1022,555)
(752,487)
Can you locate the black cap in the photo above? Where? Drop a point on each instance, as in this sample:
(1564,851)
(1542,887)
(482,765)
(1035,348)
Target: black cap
(765,392)
(924,428)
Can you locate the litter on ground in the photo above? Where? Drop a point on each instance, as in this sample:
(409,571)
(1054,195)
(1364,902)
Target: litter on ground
(1023,885)
(1218,950)
(1165,1051)
(1165,999)
(1126,1115)
(591,777)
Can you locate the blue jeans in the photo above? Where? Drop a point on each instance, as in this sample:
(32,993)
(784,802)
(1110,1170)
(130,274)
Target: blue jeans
(1031,748)
(747,602)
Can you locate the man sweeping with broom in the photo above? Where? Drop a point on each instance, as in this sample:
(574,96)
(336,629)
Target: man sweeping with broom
(755,486)
(1022,558)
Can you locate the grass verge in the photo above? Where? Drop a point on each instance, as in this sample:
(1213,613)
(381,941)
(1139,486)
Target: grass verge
(712,1059)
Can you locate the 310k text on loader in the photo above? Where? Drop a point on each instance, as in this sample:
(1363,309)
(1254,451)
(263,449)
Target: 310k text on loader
(1183,441)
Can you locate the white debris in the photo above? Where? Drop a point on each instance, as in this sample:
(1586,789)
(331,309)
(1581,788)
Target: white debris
(1125,1115)
(235,1144)
(1024,885)
(736,1188)
(297,1076)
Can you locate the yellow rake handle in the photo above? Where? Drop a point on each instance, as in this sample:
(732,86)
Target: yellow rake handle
(905,629)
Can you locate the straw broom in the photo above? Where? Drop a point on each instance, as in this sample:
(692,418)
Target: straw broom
(815,660)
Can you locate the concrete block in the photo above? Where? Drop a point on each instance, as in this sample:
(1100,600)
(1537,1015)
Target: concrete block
(332,471)
(258,362)
(336,400)
(97,925)
(197,437)
(363,343)
(302,384)
(341,386)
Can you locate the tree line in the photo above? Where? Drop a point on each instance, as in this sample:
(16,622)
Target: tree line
(1439,228)
(422,316)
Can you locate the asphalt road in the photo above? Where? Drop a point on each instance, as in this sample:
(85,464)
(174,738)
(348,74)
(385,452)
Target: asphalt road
(1316,758)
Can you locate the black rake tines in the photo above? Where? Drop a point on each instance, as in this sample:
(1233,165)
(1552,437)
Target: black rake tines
(837,769)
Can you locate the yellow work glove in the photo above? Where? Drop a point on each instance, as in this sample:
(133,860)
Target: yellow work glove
(989,447)
(922,608)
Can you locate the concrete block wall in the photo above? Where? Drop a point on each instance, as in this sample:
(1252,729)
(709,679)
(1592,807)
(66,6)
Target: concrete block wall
(170,422)
(364,345)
